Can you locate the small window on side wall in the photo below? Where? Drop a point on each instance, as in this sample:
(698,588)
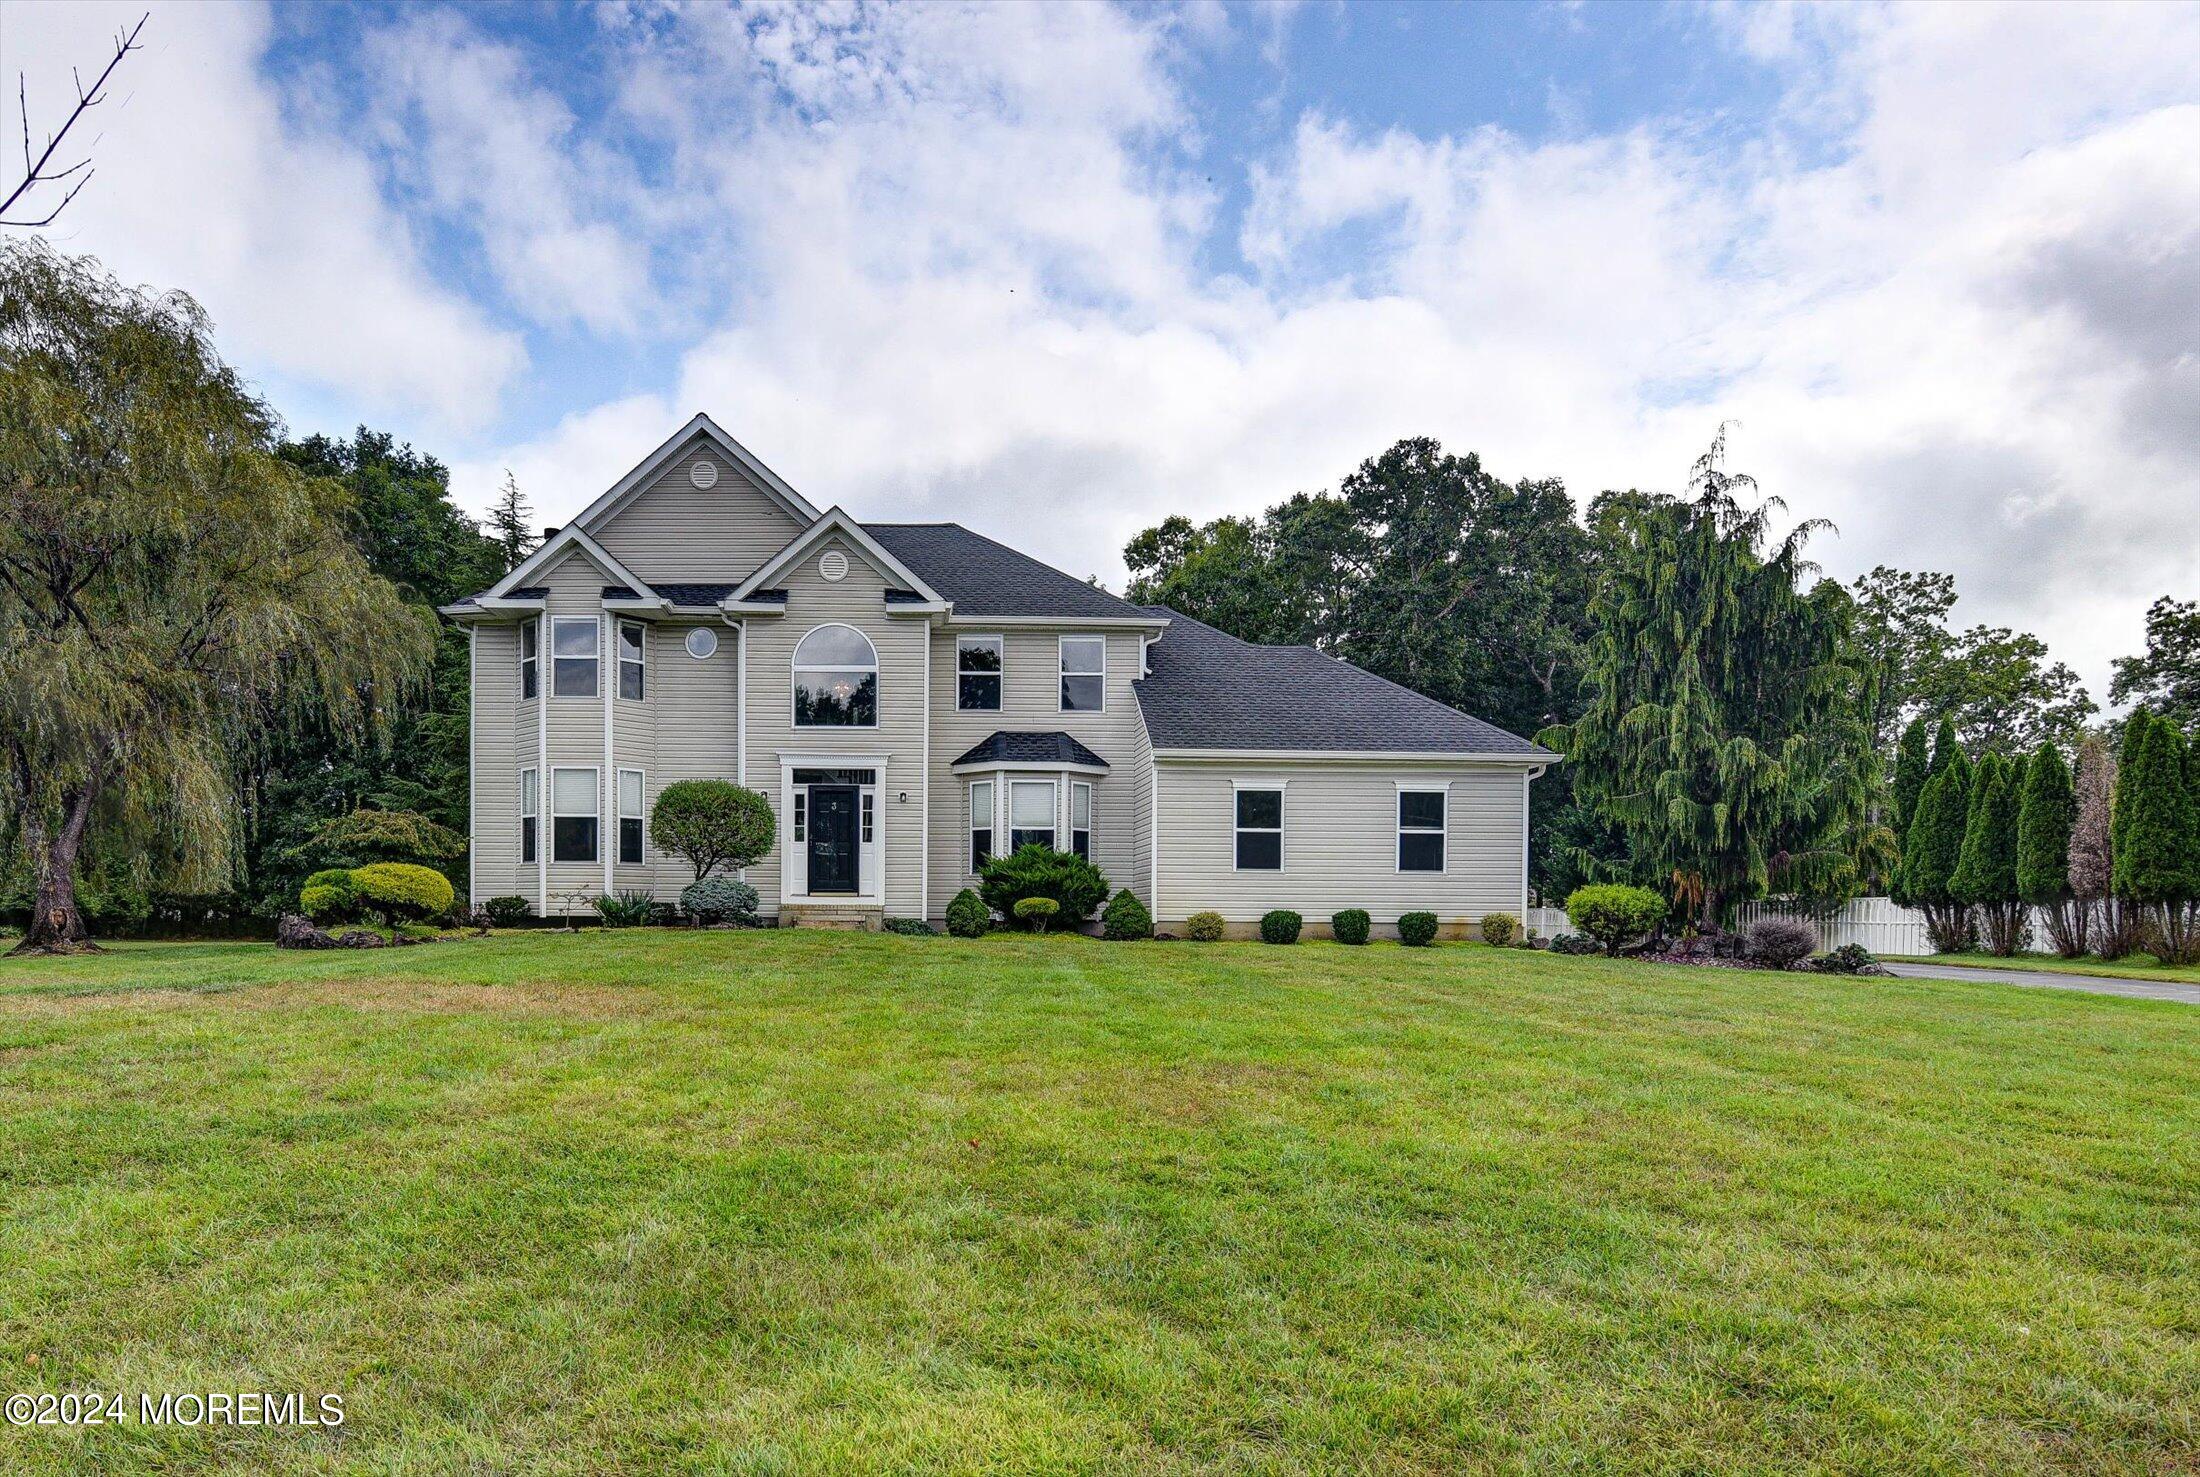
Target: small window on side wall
(630,817)
(1259,829)
(1084,673)
(981,824)
(633,659)
(1421,830)
(530,643)
(1080,818)
(978,674)
(527,813)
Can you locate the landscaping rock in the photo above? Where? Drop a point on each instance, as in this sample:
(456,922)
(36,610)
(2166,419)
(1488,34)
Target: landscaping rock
(296,931)
(358,938)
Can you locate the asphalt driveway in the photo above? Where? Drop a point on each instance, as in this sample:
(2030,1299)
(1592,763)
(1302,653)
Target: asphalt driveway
(2096,984)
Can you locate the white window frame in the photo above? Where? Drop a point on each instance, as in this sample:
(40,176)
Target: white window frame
(1398,818)
(687,643)
(640,664)
(530,659)
(594,659)
(1054,811)
(1281,789)
(595,795)
(798,819)
(641,814)
(795,667)
(866,814)
(988,825)
(529,810)
(999,675)
(1075,786)
(1062,673)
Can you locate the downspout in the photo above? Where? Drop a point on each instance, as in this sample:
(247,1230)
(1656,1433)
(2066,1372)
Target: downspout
(544,667)
(473,794)
(607,783)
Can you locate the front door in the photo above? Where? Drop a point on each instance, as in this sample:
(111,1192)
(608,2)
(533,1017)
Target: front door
(833,839)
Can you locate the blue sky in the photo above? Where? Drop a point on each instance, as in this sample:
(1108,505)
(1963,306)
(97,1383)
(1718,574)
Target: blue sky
(1059,270)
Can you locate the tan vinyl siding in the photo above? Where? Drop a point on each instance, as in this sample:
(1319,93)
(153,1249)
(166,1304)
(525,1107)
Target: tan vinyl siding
(576,723)
(1030,702)
(694,734)
(500,722)
(1339,842)
(671,530)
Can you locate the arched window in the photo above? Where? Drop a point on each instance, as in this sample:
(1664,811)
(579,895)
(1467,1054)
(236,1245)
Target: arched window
(835,679)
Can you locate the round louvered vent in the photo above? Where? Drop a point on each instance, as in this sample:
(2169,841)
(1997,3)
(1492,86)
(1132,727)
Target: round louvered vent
(833,565)
(704,474)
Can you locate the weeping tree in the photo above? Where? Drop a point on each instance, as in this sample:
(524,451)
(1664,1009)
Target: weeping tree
(1727,732)
(171,592)
(2111,928)
(2047,815)
(1986,869)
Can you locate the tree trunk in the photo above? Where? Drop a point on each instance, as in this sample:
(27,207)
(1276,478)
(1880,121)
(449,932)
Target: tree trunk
(57,925)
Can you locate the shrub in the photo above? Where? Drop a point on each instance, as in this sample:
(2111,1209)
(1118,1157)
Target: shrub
(388,836)
(1036,912)
(402,890)
(1280,927)
(1780,943)
(1125,917)
(1416,930)
(967,917)
(1075,885)
(1848,959)
(1203,928)
(507,912)
(1350,926)
(1614,914)
(1502,930)
(711,824)
(1574,943)
(719,900)
(630,909)
(915,928)
(329,896)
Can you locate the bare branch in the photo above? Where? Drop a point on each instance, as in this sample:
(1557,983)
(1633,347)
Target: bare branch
(36,173)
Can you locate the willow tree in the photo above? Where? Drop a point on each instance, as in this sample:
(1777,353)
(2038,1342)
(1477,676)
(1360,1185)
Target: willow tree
(1727,731)
(170,591)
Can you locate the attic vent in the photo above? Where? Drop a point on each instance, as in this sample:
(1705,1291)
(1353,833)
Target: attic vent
(704,474)
(833,565)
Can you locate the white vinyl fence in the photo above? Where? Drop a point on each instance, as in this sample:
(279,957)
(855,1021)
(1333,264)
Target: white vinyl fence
(1880,924)
(1548,923)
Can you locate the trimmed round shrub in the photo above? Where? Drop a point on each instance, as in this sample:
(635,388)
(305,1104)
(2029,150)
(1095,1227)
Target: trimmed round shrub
(1075,885)
(718,899)
(508,911)
(1125,917)
(1779,943)
(1416,930)
(403,890)
(1501,930)
(1035,913)
(1351,926)
(967,917)
(712,824)
(1280,927)
(1615,914)
(1203,928)
(329,896)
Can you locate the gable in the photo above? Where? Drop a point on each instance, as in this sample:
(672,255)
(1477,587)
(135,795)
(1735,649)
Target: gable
(668,528)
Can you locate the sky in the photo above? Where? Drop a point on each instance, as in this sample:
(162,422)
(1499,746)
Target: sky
(1058,271)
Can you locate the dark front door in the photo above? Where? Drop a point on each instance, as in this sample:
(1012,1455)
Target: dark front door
(833,838)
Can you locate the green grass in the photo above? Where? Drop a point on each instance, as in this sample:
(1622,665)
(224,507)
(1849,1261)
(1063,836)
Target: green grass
(801,1202)
(2134,967)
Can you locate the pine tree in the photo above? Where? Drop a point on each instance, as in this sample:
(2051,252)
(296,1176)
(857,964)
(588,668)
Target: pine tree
(1986,872)
(2157,851)
(1933,852)
(511,523)
(2046,818)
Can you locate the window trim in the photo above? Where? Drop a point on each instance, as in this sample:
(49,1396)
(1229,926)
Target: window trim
(530,659)
(1074,786)
(795,668)
(1400,830)
(999,675)
(640,664)
(1053,788)
(798,820)
(640,818)
(595,791)
(1062,673)
(594,659)
(990,827)
(530,814)
(687,643)
(1283,821)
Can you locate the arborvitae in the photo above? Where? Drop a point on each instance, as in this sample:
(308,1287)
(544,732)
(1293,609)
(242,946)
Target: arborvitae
(1934,850)
(2135,730)
(2157,850)
(1986,876)
(2046,815)
(1911,770)
(1946,750)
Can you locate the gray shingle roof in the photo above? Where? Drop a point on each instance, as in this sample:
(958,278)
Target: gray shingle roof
(1210,690)
(687,594)
(1010,747)
(984,578)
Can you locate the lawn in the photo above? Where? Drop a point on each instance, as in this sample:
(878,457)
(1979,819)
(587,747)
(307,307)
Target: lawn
(2135,967)
(800,1202)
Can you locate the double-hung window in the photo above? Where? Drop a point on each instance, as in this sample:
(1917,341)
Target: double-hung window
(1030,813)
(573,815)
(1259,829)
(527,813)
(1084,673)
(1421,830)
(633,658)
(1080,818)
(630,817)
(978,674)
(981,824)
(530,642)
(574,656)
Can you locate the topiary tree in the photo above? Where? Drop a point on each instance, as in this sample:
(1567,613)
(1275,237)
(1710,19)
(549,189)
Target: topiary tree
(1076,885)
(1125,917)
(1418,930)
(1351,926)
(402,890)
(2158,840)
(1933,852)
(2046,815)
(711,824)
(1035,912)
(967,916)
(1986,867)
(1614,914)
(1280,926)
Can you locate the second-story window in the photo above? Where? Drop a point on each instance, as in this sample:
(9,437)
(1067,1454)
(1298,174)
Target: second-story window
(1084,673)
(633,660)
(574,656)
(978,674)
(530,641)
(835,679)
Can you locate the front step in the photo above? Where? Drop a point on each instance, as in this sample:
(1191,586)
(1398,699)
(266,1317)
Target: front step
(853,917)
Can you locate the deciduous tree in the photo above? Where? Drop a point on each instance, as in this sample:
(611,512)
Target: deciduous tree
(2167,677)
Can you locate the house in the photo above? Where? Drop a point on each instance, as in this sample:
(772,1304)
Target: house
(914,697)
